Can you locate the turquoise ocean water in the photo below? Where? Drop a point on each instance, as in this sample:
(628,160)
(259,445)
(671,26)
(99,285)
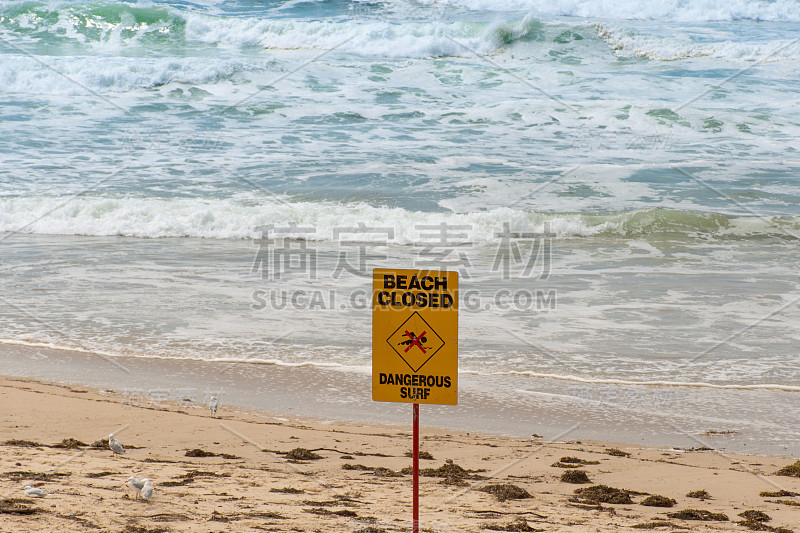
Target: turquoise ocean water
(617,183)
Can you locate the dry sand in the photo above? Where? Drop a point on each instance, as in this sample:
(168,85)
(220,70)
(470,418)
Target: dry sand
(258,487)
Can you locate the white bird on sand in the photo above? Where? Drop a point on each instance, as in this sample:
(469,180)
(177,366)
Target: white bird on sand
(136,484)
(115,445)
(213,405)
(34,492)
(147,489)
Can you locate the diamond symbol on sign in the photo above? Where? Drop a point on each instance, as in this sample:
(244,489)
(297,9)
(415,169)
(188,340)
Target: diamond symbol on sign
(415,342)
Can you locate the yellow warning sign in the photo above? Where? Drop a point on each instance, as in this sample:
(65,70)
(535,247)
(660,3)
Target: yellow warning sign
(415,336)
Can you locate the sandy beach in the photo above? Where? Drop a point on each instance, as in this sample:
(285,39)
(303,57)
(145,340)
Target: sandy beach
(583,215)
(272,473)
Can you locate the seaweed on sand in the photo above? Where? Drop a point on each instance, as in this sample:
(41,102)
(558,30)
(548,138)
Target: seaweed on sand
(382,471)
(177,482)
(357,466)
(654,524)
(754,521)
(788,502)
(340,500)
(578,461)
(792,470)
(204,473)
(700,494)
(520,524)
(23,443)
(197,452)
(658,501)
(575,476)
(288,490)
(602,494)
(449,469)
(506,491)
(70,444)
(778,494)
(451,473)
(422,455)
(617,453)
(104,473)
(189,477)
(698,514)
(759,516)
(302,454)
(322,511)
(573,462)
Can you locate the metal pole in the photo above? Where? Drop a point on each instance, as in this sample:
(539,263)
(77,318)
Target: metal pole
(415,469)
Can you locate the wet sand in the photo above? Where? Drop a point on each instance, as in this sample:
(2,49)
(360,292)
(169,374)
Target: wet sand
(754,421)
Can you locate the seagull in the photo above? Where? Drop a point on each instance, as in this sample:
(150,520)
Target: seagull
(213,405)
(33,492)
(147,489)
(136,484)
(115,445)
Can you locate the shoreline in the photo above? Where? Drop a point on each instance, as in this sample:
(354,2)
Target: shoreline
(253,486)
(516,406)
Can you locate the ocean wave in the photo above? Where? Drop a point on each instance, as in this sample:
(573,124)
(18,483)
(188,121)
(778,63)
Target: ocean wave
(363,37)
(631,43)
(18,74)
(109,28)
(238,219)
(95,24)
(667,10)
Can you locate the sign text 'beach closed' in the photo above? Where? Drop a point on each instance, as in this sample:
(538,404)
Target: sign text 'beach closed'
(415,336)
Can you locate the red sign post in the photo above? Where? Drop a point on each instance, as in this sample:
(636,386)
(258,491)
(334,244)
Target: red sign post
(415,470)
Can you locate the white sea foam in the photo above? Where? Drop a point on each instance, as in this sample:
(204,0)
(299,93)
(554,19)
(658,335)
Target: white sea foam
(678,10)
(371,37)
(365,369)
(652,383)
(631,43)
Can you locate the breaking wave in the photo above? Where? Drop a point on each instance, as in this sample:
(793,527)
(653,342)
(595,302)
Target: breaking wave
(162,31)
(237,219)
